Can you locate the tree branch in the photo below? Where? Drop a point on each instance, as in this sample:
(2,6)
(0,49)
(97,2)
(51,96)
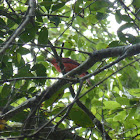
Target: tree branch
(38,77)
(30,14)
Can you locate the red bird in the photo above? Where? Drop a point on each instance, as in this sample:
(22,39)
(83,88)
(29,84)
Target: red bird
(69,65)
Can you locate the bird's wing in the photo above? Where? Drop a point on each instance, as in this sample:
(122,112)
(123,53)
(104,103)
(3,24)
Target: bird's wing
(68,60)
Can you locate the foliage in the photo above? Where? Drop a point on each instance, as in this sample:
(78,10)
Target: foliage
(73,29)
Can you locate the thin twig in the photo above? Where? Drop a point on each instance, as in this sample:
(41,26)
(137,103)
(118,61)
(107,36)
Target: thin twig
(39,77)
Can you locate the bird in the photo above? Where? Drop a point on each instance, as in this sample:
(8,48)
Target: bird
(69,65)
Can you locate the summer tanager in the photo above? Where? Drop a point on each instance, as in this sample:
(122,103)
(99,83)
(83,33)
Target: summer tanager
(69,65)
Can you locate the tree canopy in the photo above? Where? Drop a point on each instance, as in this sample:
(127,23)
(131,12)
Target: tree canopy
(37,102)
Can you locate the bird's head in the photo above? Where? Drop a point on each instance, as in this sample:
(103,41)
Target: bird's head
(51,60)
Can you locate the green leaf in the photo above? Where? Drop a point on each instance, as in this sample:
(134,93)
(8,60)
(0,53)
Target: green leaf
(55,20)
(91,19)
(136,3)
(80,118)
(120,116)
(43,36)
(2,33)
(55,111)
(97,103)
(38,17)
(29,33)
(100,16)
(23,50)
(112,123)
(121,36)
(24,72)
(130,124)
(123,100)
(18,57)
(134,101)
(114,44)
(57,6)
(120,33)
(76,7)
(47,4)
(125,26)
(134,92)
(119,83)
(126,18)
(1,41)
(88,102)
(101,45)
(55,97)
(6,70)
(132,39)
(126,74)
(39,69)
(31,90)
(21,64)
(98,5)
(77,115)
(40,58)
(111,105)
(2,22)
(131,113)
(20,117)
(118,16)
(25,86)
(6,90)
